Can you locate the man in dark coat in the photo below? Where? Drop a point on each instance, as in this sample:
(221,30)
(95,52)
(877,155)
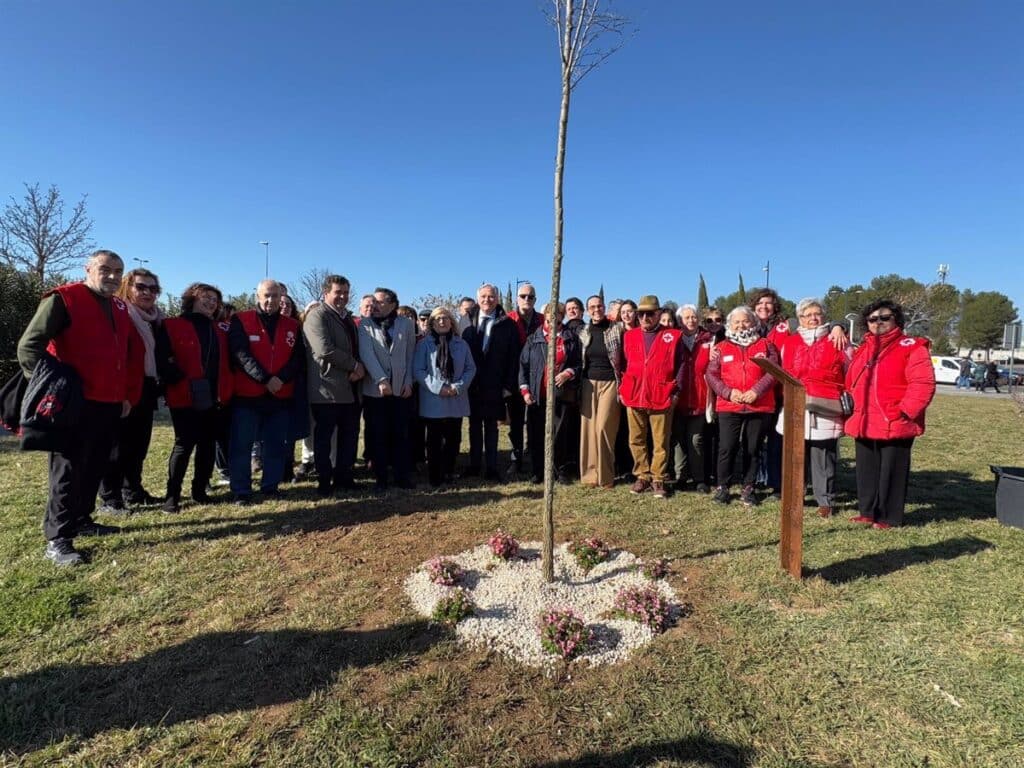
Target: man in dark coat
(494,342)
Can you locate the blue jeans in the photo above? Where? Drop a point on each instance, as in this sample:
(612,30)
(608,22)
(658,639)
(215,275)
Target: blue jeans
(249,424)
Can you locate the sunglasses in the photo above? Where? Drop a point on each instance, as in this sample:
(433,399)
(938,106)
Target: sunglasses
(529,296)
(713,320)
(646,313)
(880,318)
(146,288)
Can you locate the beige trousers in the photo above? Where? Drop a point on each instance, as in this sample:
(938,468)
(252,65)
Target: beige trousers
(600,413)
(659,425)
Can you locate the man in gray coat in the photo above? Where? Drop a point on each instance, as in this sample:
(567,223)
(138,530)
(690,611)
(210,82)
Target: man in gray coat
(386,346)
(333,372)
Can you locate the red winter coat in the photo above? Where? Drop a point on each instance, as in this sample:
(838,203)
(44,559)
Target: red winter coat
(187,350)
(820,367)
(110,360)
(734,368)
(892,382)
(693,397)
(649,380)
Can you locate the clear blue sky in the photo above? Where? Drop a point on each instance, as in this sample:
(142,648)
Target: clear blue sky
(411,144)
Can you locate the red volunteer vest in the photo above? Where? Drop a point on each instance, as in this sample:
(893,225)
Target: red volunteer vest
(739,371)
(187,354)
(693,399)
(819,367)
(649,378)
(97,350)
(272,355)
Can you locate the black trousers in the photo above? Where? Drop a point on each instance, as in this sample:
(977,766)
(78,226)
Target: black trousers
(75,472)
(328,417)
(222,455)
(443,439)
(740,432)
(388,424)
(123,479)
(483,442)
(516,421)
(883,472)
(535,418)
(193,430)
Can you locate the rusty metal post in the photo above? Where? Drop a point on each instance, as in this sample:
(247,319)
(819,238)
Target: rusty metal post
(791,524)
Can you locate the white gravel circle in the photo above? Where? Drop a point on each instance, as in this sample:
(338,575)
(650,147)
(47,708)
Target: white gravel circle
(510,596)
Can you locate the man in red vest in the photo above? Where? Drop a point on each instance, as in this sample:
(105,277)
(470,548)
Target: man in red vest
(88,328)
(650,386)
(527,320)
(267,351)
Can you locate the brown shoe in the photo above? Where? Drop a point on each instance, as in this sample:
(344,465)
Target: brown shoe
(824,511)
(659,490)
(640,486)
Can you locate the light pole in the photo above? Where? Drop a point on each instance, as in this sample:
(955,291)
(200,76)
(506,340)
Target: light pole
(139,261)
(851,318)
(943,271)
(266,245)
(767,269)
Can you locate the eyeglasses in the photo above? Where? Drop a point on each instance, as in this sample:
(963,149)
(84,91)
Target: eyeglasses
(880,318)
(646,313)
(146,288)
(528,296)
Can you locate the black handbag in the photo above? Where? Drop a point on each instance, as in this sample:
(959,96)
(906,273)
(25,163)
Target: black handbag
(846,403)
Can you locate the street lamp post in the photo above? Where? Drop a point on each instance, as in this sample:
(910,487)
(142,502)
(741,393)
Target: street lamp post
(139,261)
(851,318)
(767,269)
(943,271)
(266,245)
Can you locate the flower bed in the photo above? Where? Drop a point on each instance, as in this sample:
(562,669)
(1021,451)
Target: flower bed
(508,596)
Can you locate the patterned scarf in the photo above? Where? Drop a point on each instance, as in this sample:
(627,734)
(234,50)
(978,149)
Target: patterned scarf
(443,357)
(743,338)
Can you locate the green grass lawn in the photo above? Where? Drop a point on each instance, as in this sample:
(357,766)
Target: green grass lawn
(279,634)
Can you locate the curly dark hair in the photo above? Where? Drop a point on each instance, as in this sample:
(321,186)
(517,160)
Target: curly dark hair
(188,298)
(878,304)
(771,293)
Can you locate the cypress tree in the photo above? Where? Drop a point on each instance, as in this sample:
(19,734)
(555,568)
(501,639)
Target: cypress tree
(702,294)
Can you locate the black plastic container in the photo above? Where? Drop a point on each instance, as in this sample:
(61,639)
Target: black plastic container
(1009,495)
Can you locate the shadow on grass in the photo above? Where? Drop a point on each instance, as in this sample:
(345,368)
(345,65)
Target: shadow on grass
(937,495)
(209,674)
(696,750)
(892,560)
(326,516)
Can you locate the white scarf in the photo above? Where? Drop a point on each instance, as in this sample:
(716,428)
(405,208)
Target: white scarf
(811,335)
(743,338)
(143,322)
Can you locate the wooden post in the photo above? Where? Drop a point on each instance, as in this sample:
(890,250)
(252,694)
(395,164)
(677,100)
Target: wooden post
(791,536)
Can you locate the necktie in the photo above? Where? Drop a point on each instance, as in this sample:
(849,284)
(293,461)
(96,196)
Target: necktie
(484,327)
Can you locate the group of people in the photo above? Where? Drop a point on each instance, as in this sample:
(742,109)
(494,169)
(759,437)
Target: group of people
(663,399)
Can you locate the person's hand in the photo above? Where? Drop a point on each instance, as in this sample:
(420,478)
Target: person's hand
(384,387)
(357,373)
(838,337)
(274,385)
(561,378)
(735,396)
(528,398)
(749,397)
(714,352)
(406,391)
(126,408)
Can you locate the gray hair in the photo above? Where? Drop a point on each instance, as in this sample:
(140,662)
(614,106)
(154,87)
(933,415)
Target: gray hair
(691,307)
(742,309)
(491,286)
(804,304)
(96,255)
(268,282)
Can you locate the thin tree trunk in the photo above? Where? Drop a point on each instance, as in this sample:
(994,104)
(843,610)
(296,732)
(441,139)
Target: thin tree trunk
(547,562)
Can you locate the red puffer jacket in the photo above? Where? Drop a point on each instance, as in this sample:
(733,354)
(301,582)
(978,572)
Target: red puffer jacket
(892,382)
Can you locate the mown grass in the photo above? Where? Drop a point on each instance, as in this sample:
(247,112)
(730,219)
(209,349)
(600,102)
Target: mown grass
(279,635)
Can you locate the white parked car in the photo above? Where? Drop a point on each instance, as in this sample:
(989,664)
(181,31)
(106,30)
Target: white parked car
(947,369)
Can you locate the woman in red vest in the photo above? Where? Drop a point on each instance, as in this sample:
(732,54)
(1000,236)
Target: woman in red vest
(192,355)
(745,400)
(892,382)
(812,358)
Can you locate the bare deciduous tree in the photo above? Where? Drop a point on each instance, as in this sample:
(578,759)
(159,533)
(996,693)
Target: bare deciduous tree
(35,236)
(588,33)
(434,300)
(310,286)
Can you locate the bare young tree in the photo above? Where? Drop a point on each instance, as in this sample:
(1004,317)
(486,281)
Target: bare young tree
(588,33)
(35,236)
